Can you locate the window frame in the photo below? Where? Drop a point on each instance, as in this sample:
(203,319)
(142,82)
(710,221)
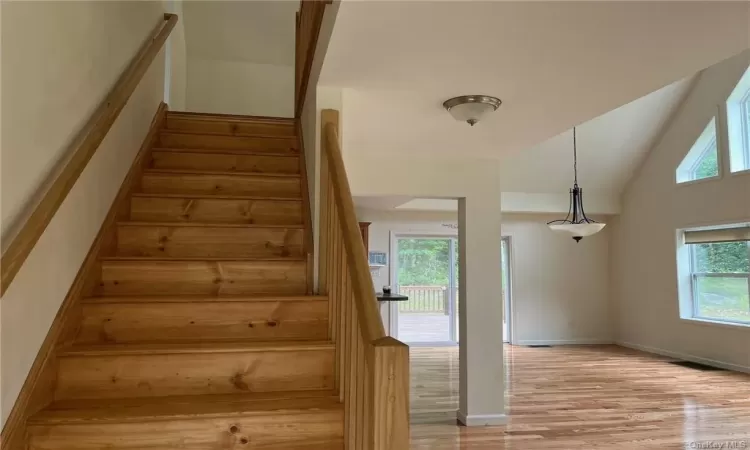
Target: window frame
(708,139)
(738,128)
(744,107)
(694,276)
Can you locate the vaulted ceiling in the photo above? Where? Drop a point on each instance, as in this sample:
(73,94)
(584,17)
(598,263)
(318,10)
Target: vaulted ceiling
(555,65)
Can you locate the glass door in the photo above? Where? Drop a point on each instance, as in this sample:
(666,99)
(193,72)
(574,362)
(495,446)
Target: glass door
(426,273)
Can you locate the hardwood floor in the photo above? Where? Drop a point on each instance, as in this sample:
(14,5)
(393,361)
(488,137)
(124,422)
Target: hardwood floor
(602,397)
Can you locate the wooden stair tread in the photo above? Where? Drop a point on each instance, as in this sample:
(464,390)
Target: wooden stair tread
(226,151)
(204,298)
(215,197)
(185,406)
(224,346)
(202,259)
(221,173)
(230,117)
(206,225)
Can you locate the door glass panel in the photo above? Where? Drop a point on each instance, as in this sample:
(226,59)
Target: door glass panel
(424,276)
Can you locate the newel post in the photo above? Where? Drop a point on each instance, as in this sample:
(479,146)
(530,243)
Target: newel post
(390,395)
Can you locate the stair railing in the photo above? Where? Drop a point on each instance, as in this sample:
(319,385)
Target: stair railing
(372,369)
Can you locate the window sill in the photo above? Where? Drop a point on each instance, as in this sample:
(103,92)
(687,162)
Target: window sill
(698,181)
(740,172)
(716,323)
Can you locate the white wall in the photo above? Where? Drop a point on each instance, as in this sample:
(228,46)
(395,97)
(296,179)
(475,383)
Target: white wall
(240,57)
(238,87)
(560,289)
(59,60)
(177,59)
(476,185)
(653,209)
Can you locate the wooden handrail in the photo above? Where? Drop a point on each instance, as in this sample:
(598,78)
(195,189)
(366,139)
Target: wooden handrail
(81,149)
(364,291)
(372,373)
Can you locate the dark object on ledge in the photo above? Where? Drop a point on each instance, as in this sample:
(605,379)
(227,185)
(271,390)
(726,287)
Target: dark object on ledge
(390,297)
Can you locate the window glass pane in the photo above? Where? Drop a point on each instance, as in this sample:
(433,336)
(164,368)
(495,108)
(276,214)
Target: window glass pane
(708,163)
(702,161)
(726,257)
(722,298)
(721,274)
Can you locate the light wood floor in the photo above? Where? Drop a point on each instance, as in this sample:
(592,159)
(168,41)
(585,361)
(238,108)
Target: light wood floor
(602,397)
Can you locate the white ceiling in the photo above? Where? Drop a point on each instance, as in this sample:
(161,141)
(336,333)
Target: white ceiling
(610,147)
(260,32)
(554,65)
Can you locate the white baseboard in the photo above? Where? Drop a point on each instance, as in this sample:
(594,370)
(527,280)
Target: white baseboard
(592,341)
(481,420)
(685,357)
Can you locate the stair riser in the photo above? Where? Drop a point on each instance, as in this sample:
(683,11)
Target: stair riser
(218,142)
(216,211)
(226,242)
(137,322)
(321,430)
(157,375)
(202,278)
(222,162)
(220,185)
(204,125)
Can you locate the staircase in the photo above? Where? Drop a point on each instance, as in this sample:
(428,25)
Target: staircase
(201,333)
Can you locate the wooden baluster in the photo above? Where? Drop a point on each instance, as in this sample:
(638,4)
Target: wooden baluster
(360,391)
(352,374)
(367,413)
(348,326)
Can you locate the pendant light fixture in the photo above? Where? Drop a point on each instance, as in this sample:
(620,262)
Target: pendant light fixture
(576,222)
(471,108)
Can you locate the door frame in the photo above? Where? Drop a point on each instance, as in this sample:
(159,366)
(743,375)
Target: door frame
(508,310)
(393,276)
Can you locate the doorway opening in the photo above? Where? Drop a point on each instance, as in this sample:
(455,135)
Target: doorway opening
(425,268)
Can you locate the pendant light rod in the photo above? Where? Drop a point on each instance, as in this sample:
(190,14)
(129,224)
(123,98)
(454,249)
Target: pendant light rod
(575,159)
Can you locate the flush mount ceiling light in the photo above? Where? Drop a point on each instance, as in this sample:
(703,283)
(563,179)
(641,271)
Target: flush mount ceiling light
(471,108)
(576,222)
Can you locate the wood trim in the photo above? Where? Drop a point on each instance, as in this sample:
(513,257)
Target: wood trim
(364,292)
(309,244)
(364,229)
(309,20)
(38,389)
(82,148)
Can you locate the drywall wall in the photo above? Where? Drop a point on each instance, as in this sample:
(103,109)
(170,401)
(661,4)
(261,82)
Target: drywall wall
(560,289)
(61,58)
(238,87)
(176,79)
(240,57)
(477,188)
(653,209)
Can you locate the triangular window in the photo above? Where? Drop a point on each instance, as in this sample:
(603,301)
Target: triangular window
(702,161)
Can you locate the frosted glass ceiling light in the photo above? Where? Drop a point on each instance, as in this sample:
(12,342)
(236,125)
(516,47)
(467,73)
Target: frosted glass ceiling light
(576,222)
(471,108)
